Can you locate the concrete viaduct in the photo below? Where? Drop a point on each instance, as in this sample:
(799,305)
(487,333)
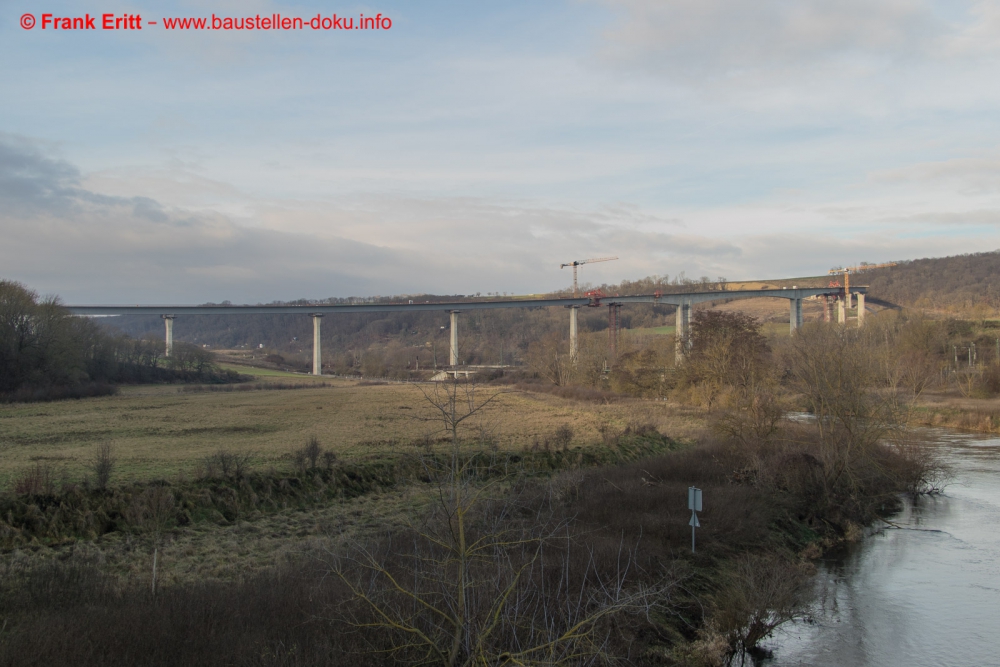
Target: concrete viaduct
(683,301)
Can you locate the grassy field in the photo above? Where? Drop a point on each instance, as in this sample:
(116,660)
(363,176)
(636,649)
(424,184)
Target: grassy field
(659,331)
(266,374)
(163,432)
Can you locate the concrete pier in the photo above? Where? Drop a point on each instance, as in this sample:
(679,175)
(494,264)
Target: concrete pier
(682,331)
(573,311)
(168,321)
(317,345)
(861,308)
(794,315)
(453,357)
(841,312)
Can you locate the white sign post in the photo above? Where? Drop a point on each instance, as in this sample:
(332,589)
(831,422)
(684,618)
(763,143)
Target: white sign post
(694,504)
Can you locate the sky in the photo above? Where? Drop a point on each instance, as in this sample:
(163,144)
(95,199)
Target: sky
(475,146)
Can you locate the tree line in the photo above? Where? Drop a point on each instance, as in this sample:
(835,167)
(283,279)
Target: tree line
(46,352)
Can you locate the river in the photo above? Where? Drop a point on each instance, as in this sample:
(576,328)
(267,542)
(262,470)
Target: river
(925,594)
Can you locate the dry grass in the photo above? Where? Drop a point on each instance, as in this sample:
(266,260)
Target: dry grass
(159,432)
(949,409)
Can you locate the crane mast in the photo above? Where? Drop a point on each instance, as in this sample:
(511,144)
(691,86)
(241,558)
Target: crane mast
(578,262)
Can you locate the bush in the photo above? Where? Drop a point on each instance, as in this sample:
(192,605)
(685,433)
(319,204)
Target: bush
(103,464)
(38,480)
(563,437)
(225,463)
(309,456)
(753,596)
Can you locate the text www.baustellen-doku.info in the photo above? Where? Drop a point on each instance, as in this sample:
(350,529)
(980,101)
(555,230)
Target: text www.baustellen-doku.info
(46,21)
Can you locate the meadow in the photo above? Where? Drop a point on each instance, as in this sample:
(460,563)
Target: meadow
(166,431)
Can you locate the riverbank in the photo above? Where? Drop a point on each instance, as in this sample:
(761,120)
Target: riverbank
(759,528)
(921,592)
(946,410)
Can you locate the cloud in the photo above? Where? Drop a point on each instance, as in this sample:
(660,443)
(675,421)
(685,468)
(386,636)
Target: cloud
(30,182)
(718,38)
(967,175)
(95,246)
(83,237)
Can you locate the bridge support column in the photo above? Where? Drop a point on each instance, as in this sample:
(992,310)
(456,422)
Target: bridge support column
(827,309)
(168,321)
(317,345)
(573,311)
(861,308)
(453,357)
(794,315)
(682,331)
(841,312)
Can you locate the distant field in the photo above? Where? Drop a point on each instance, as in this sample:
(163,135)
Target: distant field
(267,373)
(161,432)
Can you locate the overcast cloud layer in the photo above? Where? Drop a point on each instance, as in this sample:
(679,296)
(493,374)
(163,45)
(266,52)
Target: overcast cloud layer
(474,148)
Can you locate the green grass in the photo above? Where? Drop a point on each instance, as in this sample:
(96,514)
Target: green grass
(659,331)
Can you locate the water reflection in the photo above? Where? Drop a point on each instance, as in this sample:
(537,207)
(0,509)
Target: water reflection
(925,593)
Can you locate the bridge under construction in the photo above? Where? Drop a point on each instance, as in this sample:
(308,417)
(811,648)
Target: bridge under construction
(683,301)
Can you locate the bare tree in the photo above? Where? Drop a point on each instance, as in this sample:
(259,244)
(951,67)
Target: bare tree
(490,580)
(847,380)
(151,513)
(103,464)
(456,400)
(546,357)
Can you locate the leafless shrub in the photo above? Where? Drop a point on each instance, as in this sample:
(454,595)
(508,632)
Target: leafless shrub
(329,458)
(486,579)
(609,434)
(312,451)
(309,456)
(39,480)
(754,596)
(226,463)
(103,464)
(563,437)
(152,511)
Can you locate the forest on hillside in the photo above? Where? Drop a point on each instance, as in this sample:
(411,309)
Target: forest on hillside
(966,285)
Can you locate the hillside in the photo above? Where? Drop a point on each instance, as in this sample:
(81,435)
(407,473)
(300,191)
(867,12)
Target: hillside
(960,285)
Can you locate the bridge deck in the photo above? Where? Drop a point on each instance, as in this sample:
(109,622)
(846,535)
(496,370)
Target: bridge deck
(664,299)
